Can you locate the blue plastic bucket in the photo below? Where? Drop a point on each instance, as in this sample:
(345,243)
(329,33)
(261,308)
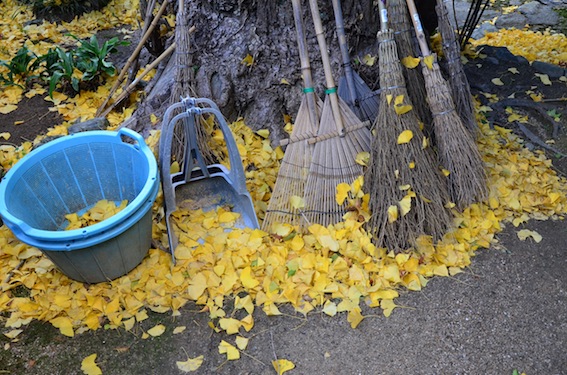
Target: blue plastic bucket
(70,175)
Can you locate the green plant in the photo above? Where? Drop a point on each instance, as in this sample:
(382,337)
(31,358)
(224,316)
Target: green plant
(21,65)
(91,57)
(63,70)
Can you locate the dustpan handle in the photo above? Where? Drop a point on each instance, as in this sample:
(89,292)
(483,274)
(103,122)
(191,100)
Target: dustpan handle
(423,46)
(347,67)
(166,125)
(236,172)
(331,88)
(308,90)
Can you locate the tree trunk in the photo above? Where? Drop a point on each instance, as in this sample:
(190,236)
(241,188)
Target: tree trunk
(227,31)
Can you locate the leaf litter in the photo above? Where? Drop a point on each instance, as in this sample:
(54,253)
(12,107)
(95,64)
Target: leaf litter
(336,269)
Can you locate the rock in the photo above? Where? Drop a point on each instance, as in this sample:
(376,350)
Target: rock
(503,55)
(538,14)
(98,123)
(552,3)
(553,71)
(511,20)
(485,27)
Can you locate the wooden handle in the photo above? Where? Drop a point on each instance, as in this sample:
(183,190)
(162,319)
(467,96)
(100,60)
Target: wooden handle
(331,88)
(305,64)
(136,52)
(423,46)
(383,15)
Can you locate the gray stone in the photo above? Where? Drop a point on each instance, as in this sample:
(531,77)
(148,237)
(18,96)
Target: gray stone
(511,20)
(98,123)
(538,14)
(485,27)
(553,71)
(554,3)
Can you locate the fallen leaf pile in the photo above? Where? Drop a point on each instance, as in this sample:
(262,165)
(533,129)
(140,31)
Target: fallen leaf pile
(533,45)
(101,210)
(336,269)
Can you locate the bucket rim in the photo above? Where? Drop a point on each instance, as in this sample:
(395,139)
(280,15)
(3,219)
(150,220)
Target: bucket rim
(21,228)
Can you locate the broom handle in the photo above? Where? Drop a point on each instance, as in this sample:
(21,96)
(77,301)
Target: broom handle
(347,68)
(418,28)
(383,15)
(131,87)
(308,89)
(139,47)
(331,88)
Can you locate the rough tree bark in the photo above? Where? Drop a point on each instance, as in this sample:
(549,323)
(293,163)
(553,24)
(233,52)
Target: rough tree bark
(229,30)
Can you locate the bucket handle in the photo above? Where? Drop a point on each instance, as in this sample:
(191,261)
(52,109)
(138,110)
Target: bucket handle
(132,135)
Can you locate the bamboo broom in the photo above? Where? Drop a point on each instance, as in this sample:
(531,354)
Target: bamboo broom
(334,156)
(182,88)
(398,18)
(457,149)
(352,88)
(146,34)
(286,200)
(407,193)
(458,82)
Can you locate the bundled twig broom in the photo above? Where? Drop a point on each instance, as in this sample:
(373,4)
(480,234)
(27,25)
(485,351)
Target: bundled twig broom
(398,19)
(460,88)
(286,201)
(457,149)
(352,88)
(182,88)
(407,191)
(340,140)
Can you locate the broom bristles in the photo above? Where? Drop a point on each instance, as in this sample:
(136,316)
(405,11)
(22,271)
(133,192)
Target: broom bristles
(397,170)
(333,163)
(401,26)
(457,150)
(458,81)
(293,172)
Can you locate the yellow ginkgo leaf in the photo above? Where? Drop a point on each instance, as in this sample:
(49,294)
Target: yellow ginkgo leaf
(392,214)
(330,308)
(369,60)
(232,353)
(342,192)
(445,172)
(389,98)
(526,233)
(410,62)
(191,364)
(247,279)
(405,204)
(362,158)
(89,367)
(241,342)
(174,168)
(513,70)
(497,81)
(544,79)
(64,324)
(282,365)
(284,81)
(230,325)
(178,330)
(354,317)
(405,137)
(156,330)
(387,306)
(7,108)
(297,202)
(429,60)
(5,135)
(248,60)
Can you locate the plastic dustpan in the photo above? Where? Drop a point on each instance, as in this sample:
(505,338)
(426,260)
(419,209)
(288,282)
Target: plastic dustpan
(206,186)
